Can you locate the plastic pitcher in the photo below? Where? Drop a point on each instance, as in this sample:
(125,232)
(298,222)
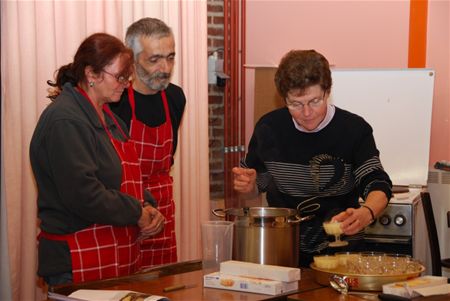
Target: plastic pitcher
(217,242)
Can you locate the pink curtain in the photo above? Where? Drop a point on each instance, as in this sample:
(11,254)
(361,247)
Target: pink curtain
(36,38)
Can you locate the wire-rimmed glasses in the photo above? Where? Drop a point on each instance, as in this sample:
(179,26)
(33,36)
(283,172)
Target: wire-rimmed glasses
(120,78)
(299,106)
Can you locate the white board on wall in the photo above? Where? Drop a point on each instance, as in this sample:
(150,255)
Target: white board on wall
(397,103)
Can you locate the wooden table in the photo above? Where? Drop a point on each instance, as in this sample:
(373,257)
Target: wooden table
(329,294)
(190,273)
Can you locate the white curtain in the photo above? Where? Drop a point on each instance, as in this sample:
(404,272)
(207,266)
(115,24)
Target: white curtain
(39,36)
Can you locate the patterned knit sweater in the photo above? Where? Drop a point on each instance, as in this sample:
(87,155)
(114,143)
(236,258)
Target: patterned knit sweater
(337,165)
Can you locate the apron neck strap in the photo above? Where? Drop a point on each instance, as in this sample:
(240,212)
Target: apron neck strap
(107,111)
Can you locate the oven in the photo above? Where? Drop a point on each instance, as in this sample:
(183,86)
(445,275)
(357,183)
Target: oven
(392,231)
(399,229)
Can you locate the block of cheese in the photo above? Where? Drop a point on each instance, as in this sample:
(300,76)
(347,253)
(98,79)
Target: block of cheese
(249,269)
(248,284)
(408,288)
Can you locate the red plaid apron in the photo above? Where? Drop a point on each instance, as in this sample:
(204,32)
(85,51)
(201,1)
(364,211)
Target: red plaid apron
(154,148)
(104,251)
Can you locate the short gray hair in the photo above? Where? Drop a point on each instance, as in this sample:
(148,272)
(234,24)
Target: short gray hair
(150,27)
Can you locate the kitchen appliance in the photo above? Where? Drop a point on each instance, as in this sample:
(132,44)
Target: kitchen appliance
(264,235)
(439,189)
(398,228)
(397,103)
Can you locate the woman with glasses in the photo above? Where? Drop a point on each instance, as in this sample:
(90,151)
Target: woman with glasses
(91,203)
(315,157)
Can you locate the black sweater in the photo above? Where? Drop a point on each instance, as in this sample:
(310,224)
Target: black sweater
(339,163)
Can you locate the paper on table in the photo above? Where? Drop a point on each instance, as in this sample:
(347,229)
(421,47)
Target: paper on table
(434,290)
(114,295)
(409,287)
(59,297)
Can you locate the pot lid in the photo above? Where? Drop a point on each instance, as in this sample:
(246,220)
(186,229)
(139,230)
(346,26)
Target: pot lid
(262,212)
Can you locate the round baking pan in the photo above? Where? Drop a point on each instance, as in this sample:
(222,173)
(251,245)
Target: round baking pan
(360,282)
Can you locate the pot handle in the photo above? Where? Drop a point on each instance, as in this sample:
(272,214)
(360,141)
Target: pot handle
(303,206)
(217,213)
(300,219)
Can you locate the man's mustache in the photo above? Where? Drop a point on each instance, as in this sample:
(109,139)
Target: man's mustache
(161,75)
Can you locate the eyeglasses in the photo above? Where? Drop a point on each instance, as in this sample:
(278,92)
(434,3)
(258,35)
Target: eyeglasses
(298,106)
(120,78)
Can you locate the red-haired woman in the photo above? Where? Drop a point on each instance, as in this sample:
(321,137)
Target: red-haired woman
(91,203)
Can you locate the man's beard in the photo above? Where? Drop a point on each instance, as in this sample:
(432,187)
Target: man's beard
(157,81)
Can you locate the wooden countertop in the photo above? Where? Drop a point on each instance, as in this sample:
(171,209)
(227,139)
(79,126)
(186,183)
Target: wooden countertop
(190,273)
(329,294)
(153,281)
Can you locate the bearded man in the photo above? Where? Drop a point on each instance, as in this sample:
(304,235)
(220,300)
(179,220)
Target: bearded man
(152,107)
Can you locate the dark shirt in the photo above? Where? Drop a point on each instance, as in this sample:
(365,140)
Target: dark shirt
(150,109)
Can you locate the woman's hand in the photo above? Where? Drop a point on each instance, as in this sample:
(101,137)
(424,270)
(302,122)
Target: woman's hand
(244,179)
(353,220)
(151,222)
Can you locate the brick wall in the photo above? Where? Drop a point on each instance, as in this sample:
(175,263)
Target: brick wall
(215,99)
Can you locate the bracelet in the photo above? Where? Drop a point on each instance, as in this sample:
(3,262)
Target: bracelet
(370,210)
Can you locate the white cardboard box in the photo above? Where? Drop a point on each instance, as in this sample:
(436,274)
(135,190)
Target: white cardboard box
(407,288)
(248,284)
(249,269)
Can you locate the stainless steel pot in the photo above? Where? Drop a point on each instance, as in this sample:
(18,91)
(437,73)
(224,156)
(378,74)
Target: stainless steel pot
(265,235)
